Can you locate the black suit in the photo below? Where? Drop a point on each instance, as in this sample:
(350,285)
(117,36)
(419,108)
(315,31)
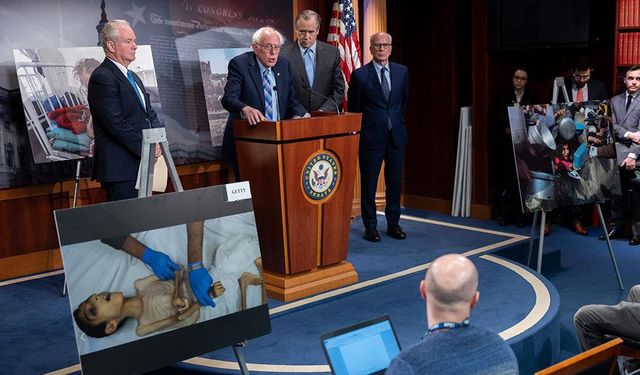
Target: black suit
(118,120)
(377,141)
(597,90)
(244,88)
(328,79)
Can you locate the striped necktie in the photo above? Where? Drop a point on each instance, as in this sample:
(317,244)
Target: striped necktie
(268,96)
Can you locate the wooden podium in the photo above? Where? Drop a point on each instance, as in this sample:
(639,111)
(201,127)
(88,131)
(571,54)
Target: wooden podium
(302,176)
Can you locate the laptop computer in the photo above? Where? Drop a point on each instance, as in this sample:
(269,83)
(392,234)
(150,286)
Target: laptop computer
(364,348)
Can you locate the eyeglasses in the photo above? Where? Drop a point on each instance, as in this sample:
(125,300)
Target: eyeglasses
(270,47)
(520,78)
(581,76)
(381,45)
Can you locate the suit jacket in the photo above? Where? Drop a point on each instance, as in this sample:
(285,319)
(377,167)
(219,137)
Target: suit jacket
(118,120)
(244,87)
(365,95)
(597,90)
(327,77)
(625,121)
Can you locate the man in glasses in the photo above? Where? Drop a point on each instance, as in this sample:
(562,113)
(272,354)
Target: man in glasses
(582,87)
(380,90)
(259,88)
(317,77)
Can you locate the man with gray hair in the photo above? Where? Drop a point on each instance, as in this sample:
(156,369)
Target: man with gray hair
(452,345)
(120,108)
(317,76)
(259,88)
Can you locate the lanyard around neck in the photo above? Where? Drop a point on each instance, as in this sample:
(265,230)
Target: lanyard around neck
(448,325)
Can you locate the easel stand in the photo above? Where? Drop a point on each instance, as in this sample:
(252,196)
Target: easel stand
(543,216)
(150,138)
(559,84)
(75,202)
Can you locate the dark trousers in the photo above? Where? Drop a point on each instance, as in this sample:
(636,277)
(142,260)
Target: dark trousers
(629,201)
(370,164)
(120,190)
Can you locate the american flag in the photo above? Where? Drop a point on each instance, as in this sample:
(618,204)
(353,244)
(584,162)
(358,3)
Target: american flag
(343,34)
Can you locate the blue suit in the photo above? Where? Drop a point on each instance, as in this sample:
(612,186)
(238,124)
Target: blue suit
(244,88)
(377,141)
(118,120)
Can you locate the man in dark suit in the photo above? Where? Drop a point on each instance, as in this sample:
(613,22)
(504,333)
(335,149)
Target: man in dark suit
(259,88)
(626,116)
(582,87)
(120,110)
(315,65)
(380,91)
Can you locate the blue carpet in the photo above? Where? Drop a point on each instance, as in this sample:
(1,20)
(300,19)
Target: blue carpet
(37,334)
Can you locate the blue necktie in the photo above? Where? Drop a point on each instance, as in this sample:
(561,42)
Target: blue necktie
(384,83)
(135,86)
(268,97)
(308,64)
(385,89)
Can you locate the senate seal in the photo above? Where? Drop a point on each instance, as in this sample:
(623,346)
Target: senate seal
(320,176)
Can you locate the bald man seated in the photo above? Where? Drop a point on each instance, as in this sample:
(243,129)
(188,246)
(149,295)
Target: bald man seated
(452,345)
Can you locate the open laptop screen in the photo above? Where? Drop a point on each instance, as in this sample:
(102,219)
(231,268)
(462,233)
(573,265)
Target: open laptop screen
(364,348)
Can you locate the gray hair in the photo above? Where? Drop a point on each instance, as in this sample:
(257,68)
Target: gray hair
(111,31)
(373,36)
(263,31)
(306,15)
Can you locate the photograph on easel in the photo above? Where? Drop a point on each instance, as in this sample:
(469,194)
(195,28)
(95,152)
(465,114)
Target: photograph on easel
(123,305)
(53,86)
(565,154)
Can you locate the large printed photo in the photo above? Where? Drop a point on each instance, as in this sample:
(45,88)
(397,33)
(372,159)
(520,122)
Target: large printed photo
(565,154)
(53,85)
(119,299)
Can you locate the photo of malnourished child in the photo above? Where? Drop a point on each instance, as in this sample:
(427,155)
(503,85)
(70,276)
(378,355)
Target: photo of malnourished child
(108,287)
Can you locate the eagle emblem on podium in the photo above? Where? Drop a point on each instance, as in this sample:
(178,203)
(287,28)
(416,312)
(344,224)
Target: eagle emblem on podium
(320,176)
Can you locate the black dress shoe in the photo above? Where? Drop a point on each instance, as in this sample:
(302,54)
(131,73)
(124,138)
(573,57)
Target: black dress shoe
(634,241)
(372,235)
(613,233)
(396,232)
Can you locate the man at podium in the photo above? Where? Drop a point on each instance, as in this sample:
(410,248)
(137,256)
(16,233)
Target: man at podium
(259,88)
(380,90)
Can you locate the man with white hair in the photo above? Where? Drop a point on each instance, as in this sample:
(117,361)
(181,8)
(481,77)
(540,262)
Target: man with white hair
(452,345)
(259,88)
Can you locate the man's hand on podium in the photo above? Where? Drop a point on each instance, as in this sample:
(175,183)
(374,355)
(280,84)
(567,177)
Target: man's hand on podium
(252,115)
(306,115)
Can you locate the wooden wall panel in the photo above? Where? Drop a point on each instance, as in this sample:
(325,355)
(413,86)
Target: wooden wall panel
(28,224)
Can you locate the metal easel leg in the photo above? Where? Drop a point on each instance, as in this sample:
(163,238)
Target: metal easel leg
(532,237)
(75,202)
(606,235)
(240,357)
(541,241)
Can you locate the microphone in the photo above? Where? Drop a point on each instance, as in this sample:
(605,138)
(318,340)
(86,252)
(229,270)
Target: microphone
(304,86)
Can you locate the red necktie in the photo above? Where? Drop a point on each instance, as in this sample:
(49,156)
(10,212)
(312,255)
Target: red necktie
(580,95)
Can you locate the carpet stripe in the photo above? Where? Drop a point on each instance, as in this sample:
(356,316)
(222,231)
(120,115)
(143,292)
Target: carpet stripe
(541,306)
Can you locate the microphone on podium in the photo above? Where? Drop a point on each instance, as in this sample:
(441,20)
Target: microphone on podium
(304,86)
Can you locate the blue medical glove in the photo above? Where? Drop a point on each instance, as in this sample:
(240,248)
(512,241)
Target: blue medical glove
(201,281)
(160,263)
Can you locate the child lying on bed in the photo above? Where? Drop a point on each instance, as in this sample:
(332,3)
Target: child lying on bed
(158,305)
